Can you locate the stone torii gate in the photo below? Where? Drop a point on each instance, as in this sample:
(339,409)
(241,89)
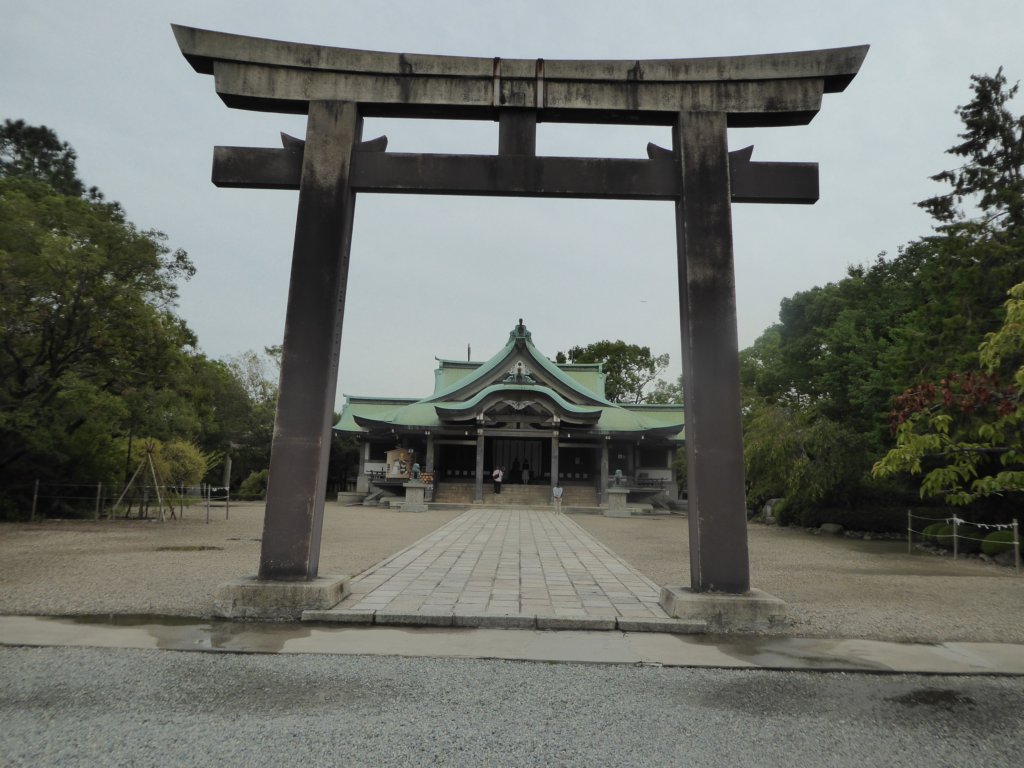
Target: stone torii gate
(699,98)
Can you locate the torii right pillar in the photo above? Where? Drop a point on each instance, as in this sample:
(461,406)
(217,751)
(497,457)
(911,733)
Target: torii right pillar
(719,596)
(707,304)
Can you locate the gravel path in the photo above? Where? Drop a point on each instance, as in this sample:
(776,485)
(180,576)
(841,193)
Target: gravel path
(835,587)
(103,707)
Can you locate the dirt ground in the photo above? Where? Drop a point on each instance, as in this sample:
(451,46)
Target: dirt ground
(834,586)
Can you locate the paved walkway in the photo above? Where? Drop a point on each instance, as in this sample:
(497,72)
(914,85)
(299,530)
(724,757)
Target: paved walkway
(506,563)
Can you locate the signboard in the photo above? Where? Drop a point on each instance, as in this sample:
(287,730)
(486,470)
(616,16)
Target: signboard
(399,466)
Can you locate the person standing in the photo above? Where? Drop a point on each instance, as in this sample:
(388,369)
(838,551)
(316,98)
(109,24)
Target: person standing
(556,496)
(498,475)
(526,473)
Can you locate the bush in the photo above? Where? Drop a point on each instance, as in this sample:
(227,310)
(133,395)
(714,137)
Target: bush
(997,542)
(968,539)
(254,487)
(880,519)
(943,536)
(928,534)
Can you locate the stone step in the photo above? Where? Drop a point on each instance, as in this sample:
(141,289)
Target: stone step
(518,495)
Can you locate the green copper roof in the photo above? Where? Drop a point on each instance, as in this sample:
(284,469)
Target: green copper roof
(514,389)
(574,392)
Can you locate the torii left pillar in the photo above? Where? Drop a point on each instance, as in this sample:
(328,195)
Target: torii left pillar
(312,335)
(289,560)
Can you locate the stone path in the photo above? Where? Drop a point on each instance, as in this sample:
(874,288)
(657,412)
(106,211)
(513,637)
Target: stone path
(504,564)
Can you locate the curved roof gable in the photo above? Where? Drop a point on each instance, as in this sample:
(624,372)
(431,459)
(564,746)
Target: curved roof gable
(540,370)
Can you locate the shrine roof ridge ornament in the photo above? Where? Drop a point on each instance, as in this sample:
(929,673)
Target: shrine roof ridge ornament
(753,90)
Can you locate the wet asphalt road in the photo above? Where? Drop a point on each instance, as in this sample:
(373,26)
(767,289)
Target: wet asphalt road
(125,707)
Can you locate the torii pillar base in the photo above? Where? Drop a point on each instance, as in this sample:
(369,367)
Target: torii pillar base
(753,611)
(278,600)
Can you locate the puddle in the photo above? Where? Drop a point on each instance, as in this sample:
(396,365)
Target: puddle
(183,633)
(784,652)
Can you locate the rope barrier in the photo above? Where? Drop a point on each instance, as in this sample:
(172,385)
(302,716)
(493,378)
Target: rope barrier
(104,499)
(956,536)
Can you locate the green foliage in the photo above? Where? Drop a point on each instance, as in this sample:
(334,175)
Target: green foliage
(997,542)
(629,369)
(680,467)
(344,459)
(186,463)
(871,518)
(966,440)
(993,152)
(35,152)
(943,536)
(840,353)
(91,351)
(666,393)
(930,531)
(969,539)
(89,341)
(792,454)
(254,486)
(142,450)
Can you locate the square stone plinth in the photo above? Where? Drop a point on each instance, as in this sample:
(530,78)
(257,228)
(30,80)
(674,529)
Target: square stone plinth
(278,600)
(414,491)
(617,503)
(753,611)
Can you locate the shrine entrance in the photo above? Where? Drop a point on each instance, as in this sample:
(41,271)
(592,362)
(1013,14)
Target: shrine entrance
(699,98)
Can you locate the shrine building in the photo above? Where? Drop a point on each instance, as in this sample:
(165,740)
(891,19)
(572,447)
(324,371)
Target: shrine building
(516,410)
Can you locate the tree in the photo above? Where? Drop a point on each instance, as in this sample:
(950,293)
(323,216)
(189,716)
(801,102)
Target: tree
(966,435)
(841,352)
(249,405)
(35,152)
(186,462)
(666,392)
(629,368)
(90,347)
(993,148)
(801,456)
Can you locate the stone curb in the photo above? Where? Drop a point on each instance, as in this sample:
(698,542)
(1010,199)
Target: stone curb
(339,617)
(414,619)
(495,621)
(674,626)
(507,621)
(576,622)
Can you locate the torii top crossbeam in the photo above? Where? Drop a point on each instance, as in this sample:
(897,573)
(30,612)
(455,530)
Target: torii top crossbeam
(760,90)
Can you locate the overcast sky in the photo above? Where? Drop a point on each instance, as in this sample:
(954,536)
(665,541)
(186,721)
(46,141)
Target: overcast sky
(431,275)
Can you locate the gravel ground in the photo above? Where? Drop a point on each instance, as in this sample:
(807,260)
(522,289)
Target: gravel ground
(835,587)
(841,587)
(103,707)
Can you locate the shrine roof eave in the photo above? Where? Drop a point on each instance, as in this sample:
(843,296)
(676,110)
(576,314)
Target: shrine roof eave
(367,407)
(562,406)
(370,427)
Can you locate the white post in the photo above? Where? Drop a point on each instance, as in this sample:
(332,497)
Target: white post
(227,502)
(35,496)
(1016,546)
(956,529)
(99,497)
(208,502)
(910,531)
